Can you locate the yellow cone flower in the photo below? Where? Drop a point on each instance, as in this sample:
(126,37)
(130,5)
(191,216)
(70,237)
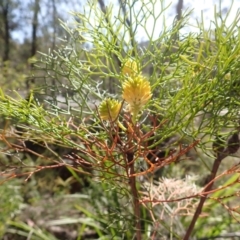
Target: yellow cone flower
(136,92)
(109,109)
(130,68)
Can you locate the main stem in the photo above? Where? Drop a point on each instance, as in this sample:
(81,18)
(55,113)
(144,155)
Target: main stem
(136,206)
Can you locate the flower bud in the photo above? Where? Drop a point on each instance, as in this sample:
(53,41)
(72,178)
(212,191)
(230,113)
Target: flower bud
(130,68)
(109,109)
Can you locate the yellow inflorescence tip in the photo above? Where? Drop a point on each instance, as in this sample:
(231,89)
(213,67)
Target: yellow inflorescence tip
(136,92)
(109,109)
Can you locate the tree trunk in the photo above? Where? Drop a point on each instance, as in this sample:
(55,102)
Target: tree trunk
(6,31)
(179,10)
(34,27)
(34,38)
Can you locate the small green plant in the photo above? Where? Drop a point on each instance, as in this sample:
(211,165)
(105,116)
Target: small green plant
(11,203)
(125,112)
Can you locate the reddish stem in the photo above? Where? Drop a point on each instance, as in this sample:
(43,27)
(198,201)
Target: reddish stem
(203,198)
(136,205)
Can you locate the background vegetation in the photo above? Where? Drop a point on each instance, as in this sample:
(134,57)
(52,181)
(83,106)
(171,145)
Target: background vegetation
(80,160)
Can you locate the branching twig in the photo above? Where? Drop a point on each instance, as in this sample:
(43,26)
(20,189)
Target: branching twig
(232,147)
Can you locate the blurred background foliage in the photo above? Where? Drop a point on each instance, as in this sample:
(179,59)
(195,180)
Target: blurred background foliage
(55,70)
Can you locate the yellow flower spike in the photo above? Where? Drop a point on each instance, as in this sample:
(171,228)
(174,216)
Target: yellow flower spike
(136,92)
(130,67)
(109,109)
